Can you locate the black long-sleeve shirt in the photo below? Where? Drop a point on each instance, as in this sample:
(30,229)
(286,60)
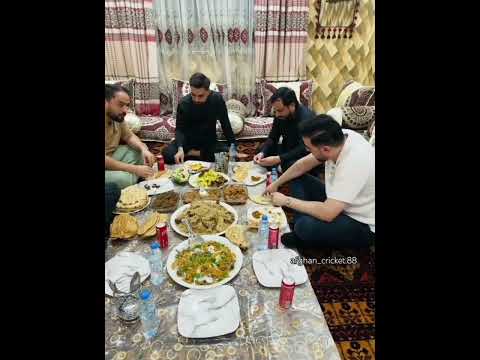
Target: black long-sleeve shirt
(292,143)
(196,124)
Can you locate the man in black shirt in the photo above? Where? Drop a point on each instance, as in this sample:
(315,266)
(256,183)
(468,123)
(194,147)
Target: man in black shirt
(197,115)
(288,115)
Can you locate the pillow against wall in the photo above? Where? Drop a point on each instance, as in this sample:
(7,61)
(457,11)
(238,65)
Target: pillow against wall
(337,114)
(358,117)
(356,94)
(303,90)
(236,106)
(133,122)
(182,88)
(236,121)
(130,85)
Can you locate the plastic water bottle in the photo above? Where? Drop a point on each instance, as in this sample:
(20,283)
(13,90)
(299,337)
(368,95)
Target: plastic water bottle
(232,155)
(156,265)
(262,238)
(148,315)
(274,174)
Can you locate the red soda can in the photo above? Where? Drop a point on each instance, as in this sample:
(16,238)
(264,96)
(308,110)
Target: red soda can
(160,163)
(269,178)
(286,292)
(162,235)
(273,234)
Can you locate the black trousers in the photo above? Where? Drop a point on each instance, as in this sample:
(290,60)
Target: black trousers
(342,232)
(207,151)
(112,194)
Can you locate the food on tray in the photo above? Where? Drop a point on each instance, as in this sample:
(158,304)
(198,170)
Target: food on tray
(197,167)
(255,178)
(148,228)
(235,194)
(275,215)
(211,178)
(132,198)
(212,194)
(241,172)
(124,226)
(261,199)
(166,201)
(206,218)
(180,176)
(236,234)
(205,263)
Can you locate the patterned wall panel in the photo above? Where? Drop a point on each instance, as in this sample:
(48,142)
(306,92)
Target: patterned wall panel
(331,62)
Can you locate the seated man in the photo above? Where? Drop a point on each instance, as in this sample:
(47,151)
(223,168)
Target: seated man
(112,194)
(288,115)
(197,115)
(340,213)
(124,164)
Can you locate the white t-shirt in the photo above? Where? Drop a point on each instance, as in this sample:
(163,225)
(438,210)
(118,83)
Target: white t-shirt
(352,178)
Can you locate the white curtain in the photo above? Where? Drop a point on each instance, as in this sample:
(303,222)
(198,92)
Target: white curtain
(214,37)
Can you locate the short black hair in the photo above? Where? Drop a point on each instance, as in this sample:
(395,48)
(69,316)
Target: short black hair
(199,80)
(112,89)
(322,130)
(287,96)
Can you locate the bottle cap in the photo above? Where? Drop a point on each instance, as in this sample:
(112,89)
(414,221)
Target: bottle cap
(264,217)
(288,280)
(145,294)
(155,245)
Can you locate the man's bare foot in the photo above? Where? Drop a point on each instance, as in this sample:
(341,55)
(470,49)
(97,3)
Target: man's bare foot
(193,152)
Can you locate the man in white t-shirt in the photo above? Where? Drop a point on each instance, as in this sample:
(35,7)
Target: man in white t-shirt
(340,213)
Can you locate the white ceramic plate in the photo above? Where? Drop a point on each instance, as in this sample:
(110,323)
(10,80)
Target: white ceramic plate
(189,163)
(181,209)
(134,211)
(184,245)
(193,181)
(125,263)
(192,312)
(274,212)
(249,182)
(164,185)
(275,260)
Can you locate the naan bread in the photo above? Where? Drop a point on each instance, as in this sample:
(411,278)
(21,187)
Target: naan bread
(124,226)
(236,234)
(132,198)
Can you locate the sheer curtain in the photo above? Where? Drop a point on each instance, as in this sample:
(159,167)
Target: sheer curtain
(280,39)
(210,36)
(130,50)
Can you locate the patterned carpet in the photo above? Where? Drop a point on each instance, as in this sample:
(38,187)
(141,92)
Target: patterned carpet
(346,293)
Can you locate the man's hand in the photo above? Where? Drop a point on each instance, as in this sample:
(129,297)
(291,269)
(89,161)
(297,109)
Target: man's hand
(258,157)
(148,158)
(278,199)
(272,188)
(143,171)
(179,156)
(269,161)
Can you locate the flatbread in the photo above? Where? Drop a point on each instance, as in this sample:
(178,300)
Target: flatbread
(261,199)
(148,224)
(236,234)
(124,226)
(132,198)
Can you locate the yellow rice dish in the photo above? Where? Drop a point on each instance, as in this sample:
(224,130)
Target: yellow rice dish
(204,264)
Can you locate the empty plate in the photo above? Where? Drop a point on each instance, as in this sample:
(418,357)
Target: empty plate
(271,265)
(208,313)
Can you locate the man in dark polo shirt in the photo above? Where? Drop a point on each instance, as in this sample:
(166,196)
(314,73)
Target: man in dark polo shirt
(197,115)
(288,115)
